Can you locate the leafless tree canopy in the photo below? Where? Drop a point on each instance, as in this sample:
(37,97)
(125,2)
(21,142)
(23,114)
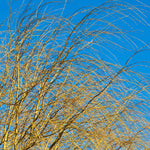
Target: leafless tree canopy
(61,85)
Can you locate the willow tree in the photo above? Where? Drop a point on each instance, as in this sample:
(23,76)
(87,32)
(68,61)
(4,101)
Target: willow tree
(61,85)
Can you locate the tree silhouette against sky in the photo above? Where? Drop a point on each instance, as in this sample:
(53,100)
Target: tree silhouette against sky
(74,79)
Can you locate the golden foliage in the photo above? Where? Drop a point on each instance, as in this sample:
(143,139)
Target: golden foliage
(58,90)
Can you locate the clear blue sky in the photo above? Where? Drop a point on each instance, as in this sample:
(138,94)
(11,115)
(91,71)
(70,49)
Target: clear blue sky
(75,4)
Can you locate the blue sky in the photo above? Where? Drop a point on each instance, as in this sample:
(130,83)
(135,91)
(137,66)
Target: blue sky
(73,5)
(142,32)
